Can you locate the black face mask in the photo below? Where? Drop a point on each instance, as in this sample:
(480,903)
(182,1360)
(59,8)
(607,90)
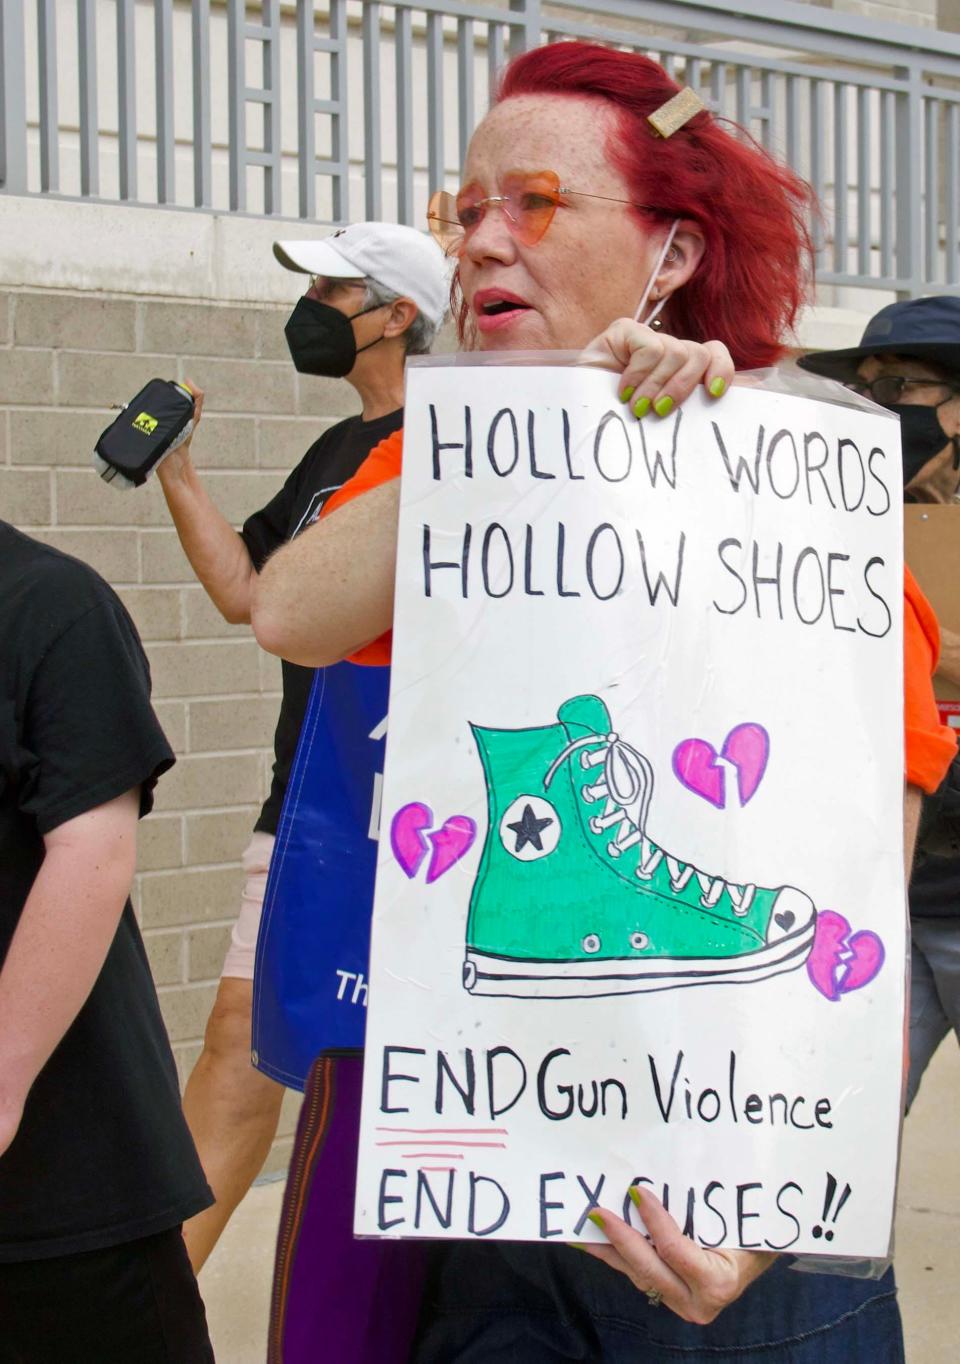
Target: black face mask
(321,339)
(922,437)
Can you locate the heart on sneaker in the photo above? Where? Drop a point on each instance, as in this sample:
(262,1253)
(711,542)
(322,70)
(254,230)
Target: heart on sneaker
(696,763)
(841,961)
(412,836)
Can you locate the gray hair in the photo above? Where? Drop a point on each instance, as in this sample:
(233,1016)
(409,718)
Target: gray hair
(421,333)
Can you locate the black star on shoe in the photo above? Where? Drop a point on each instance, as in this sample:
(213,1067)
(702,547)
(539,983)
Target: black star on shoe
(528,829)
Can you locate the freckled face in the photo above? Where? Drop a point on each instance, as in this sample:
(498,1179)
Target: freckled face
(593,262)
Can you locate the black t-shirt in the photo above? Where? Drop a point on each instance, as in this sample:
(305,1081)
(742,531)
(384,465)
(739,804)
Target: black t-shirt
(326,466)
(935,887)
(103,1154)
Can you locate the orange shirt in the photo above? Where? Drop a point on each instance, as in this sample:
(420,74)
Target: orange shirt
(930,746)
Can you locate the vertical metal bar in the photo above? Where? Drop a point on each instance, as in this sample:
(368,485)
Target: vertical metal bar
(931,197)
(372,156)
(127,97)
(744,100)
(888,163)
(49,117)
(694,73)
(495,56)
(270,67)
(166,147)
(791,98)
(909,145)
(404,67)
(465,91)
(306,117)
(768,113)
(817,155)
(89,131)
(236,86)
(952,194)
(338,93)
(435,166)
(864,182)
(841,230)
(668,61)
(718,87)
(13,98)
(202,149)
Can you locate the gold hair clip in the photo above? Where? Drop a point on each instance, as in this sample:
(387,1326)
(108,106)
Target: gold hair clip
(676,112)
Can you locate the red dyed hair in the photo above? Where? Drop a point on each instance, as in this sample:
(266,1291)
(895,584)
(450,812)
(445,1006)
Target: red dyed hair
(753,211)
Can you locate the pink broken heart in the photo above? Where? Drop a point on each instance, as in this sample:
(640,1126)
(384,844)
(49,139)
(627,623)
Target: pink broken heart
(696,765)
(841,961)
(412,830)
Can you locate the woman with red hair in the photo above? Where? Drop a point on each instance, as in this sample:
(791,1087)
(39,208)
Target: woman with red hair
(675,258)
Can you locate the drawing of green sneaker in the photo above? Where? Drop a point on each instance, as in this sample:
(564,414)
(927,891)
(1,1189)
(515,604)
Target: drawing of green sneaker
(572,896)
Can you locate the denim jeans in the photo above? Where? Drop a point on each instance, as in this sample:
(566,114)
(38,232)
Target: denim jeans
(533,1304)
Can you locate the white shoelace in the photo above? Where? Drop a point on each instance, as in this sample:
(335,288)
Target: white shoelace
(627,780)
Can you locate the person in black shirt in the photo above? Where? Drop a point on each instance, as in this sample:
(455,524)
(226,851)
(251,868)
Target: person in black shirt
(97,1168)
(909,362)
(378,293)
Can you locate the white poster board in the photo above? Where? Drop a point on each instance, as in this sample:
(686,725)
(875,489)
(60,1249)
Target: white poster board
(639,910)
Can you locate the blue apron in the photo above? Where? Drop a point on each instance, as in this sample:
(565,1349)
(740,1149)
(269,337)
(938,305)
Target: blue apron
(310,977)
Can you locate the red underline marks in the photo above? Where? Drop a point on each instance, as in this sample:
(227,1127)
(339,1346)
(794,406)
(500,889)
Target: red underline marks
(500,1145)
(437,1155)
(449,1131)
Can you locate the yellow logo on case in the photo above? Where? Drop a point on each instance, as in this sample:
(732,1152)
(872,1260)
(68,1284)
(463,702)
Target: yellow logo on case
(145,423)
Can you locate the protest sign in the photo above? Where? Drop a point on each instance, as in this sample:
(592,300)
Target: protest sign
(639,914)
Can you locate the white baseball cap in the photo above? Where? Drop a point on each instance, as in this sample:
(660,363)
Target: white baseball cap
(402,259)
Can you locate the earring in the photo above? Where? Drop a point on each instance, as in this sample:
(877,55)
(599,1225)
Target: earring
(656,324)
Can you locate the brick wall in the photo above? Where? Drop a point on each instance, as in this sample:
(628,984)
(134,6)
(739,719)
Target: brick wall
(64,359)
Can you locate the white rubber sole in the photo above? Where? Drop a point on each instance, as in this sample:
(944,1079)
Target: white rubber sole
(526,978)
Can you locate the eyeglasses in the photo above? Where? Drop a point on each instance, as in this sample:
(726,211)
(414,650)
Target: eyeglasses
(889,389)
(324,285)
(527,200)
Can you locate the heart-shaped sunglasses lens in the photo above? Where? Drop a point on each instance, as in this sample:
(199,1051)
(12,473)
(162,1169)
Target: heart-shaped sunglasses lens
(528,203)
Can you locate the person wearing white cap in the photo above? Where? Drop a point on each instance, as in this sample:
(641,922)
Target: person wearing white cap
(378,293)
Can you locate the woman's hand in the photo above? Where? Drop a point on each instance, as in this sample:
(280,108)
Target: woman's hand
(695,1283)
(658,371)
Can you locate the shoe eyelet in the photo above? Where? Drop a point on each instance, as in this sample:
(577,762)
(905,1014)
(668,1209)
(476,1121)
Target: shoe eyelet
(591,943)
(638,941)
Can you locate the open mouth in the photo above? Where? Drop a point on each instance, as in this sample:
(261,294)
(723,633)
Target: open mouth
(503,305)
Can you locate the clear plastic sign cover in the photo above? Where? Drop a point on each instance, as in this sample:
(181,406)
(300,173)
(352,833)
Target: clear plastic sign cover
(639,913)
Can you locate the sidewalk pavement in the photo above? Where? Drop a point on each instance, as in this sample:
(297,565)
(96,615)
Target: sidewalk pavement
(236,1281)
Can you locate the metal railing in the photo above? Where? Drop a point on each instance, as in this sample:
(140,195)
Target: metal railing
(347,107)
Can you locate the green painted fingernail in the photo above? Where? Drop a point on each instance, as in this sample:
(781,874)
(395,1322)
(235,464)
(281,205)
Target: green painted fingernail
(596,1219)
(627,393)
(641,407)
(718,387)
(663,406)
(634,1193)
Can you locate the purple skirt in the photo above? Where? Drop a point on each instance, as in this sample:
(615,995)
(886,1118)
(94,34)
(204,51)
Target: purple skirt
(336,1298)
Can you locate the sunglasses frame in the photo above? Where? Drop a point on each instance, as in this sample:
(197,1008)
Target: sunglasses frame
(865,390)
(452,241)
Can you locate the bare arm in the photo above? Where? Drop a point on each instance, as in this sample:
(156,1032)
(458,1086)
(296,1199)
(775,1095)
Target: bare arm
(912,796)
(330,591)
(61,942)
(216,552)
(949,666)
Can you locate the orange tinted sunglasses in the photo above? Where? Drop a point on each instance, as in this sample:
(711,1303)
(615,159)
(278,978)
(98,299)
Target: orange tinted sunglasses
(528,201)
